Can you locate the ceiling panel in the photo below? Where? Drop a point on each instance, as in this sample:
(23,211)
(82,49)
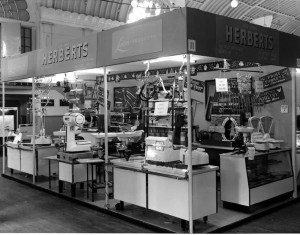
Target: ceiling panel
(14,9)
(286,13)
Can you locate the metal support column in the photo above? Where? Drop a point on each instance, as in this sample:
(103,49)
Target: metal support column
(33,131)
(106,140)
(190,168)
(3,126)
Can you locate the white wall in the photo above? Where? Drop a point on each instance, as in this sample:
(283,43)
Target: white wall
(281,129)
(56,110)
(56,34)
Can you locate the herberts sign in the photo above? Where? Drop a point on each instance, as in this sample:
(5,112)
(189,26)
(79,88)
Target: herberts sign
(69,52)
(245,37)
(236,39)
(70,56)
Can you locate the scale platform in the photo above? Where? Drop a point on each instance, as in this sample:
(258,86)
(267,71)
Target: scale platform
(71,157)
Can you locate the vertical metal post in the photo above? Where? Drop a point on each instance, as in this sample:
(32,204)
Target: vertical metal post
(3,126)
(33,131)
(294,130)
(106,140)
(190,168)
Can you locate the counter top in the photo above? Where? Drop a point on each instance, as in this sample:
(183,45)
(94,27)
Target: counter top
(90,161)
(28,147)
(212,146)
(139,164)
(118,134)
(257,153)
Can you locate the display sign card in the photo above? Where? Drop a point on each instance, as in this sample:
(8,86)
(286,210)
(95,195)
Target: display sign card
(8,124)
(284,108)
(161,108)
(221,85)
(255,136)
(63,102)
(196,85)
(277,77)
(47,102)
(272,95)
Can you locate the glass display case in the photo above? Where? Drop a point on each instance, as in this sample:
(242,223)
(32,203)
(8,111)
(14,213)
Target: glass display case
(268,168)
(248,182)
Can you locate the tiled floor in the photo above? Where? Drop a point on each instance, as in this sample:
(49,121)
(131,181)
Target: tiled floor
(216,222)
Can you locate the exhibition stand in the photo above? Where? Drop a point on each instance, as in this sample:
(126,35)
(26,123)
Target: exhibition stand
(192,193)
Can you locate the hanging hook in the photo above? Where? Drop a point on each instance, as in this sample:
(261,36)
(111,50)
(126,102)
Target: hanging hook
(183,61)
(148,67)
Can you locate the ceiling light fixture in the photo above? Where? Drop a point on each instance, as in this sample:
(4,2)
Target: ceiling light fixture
(153,9)
(234,3)
(177,58)
(134,3)
(148,10)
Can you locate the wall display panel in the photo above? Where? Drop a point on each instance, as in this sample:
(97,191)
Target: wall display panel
(125,98)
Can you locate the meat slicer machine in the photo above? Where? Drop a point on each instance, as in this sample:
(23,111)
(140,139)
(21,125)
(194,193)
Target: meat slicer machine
(74,149)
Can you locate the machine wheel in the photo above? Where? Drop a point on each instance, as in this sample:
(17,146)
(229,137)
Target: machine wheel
(60,186)
(184,225)
(120,206)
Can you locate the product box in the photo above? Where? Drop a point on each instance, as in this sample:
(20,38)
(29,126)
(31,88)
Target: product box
(160,149)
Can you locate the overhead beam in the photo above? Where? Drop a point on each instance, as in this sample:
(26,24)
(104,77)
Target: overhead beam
(250,7)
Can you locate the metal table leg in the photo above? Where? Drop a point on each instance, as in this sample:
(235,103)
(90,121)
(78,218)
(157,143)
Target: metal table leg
(87,180)
(92,182)
(73,189)
(49,173)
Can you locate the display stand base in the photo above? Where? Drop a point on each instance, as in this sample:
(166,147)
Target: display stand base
(257,206)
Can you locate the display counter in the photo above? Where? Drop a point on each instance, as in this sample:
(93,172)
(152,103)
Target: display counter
(248,182)
(20,158)
(165,190)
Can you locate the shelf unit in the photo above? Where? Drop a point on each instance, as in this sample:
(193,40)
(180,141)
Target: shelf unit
(163,123)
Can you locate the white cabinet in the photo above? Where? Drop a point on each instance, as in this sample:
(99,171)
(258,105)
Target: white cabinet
(21,158)
(170,195)
(130,186)
(166,193)
(74,172)
(14,158)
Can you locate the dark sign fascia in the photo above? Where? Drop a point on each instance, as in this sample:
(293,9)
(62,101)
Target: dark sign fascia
(237,39)
(137,40)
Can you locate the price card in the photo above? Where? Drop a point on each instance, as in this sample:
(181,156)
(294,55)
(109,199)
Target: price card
(221,84)
(259,86)
(284,108)
(161,108)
